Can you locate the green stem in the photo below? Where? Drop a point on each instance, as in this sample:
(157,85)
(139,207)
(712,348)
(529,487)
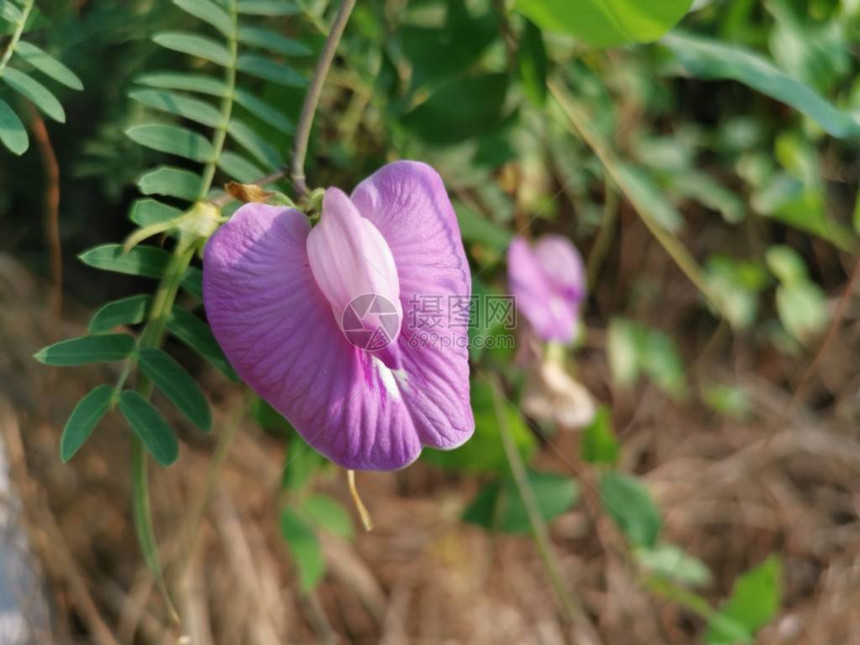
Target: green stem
(536,521)
(220,134)
(682,597)
(16,35)
(153,333)
(150,338)
(696,604)
(604,235)
(143,522)
(303,129)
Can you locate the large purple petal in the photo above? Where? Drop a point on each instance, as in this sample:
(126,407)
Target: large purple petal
(408,204)
(279,332)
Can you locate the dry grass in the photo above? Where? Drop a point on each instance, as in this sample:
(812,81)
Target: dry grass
(731,494)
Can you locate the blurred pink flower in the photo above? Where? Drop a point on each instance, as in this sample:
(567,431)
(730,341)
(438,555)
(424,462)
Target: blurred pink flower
(548,282)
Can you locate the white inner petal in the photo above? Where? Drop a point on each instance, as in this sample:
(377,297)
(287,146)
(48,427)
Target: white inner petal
(390,378)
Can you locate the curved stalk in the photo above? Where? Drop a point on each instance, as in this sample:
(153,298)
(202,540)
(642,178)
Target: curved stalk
(303,129)
(573,613)
(601,149)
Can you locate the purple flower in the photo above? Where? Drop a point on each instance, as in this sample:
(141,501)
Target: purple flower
(312,319)
(548,282)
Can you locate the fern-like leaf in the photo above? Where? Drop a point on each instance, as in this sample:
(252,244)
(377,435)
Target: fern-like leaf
(207,129)
(13,133)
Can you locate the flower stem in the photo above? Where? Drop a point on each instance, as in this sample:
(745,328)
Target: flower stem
(143,522)
(604,236)
(536,521)
(366,520)
(303,130)
(150,338)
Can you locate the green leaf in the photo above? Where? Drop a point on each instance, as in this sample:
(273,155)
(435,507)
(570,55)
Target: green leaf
(146,212)
(149,426)
(329,515)
(302,462)
(729,400)
(707,191)
(648,198)
(268,7)
(192,282)
(48,65)
(801,206)
(460,109)
(622,350)
(187,82)
(263,111)
(210,12)
(127,311)
(101,348)
(304,548)
(735,285)
(480,229)
(196,334)
(786,264)
(193,45)
(271,420)
(599,445)
(711,59)
(177,385)
(484,452)
(171,182)
(532,64)
(10,12)
(463,38)
(13,134)
(754,602)
(606,23)
(239,168)
(273,42)
(634,349)
(146,261)
(629,504)
(662,363)
(671,563)
(188,108)
(172,140)
(802,309)
(259,149)
(36,92)
(270,71)
(84,419)
(498,506)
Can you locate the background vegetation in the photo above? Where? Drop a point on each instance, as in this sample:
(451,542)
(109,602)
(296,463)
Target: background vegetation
(710,180)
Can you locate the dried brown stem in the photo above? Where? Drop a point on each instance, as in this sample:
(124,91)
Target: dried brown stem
(51,210)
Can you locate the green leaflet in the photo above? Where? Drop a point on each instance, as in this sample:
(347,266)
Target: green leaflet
(83,420)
